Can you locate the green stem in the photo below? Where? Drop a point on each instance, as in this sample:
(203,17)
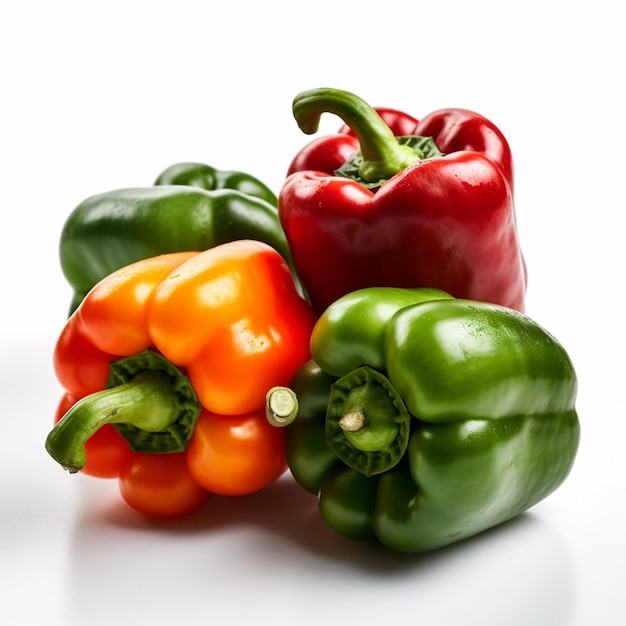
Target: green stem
(150,402)
(383,155)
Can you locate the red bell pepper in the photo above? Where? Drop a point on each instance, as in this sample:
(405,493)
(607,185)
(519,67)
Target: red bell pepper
(392,201)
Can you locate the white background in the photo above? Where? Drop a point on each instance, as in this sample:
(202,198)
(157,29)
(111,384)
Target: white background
(102,95)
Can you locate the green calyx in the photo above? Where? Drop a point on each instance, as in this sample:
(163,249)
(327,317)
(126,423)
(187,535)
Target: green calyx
(382,155)
(367,423)
(425,147)
(148,400)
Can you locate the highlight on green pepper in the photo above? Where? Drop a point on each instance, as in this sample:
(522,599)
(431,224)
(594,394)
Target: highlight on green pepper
(207,177)
(424,419)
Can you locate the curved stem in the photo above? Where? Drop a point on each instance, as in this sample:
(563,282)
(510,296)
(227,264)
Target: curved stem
(148,402)
(383,156)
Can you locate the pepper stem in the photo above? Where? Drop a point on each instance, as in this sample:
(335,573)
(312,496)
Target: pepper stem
(353,420)
(383,155)
(281,406)
(149,401)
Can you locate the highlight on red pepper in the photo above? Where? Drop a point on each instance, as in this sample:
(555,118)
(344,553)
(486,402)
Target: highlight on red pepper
(393,201)
(165,366)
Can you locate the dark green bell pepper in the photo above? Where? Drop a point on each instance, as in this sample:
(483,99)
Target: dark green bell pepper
(424,420)
(207,177)
(110,230)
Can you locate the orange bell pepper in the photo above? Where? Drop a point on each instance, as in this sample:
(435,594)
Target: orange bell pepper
(175,354)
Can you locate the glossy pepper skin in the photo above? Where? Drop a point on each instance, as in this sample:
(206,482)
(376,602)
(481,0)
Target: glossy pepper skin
(392,201)
(110,230)
(180,339)
(425,419)
(210,178)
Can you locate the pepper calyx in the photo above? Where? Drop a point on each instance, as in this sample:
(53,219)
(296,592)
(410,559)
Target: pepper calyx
(425,147)
(185,406)
(148,400)
(367,422)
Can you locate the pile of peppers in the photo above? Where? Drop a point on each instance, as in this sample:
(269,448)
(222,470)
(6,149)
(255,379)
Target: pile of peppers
(364,328)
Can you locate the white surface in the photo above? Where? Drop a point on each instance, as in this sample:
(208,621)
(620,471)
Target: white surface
(98,96)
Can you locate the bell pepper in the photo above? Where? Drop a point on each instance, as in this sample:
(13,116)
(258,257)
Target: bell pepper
(110,230)
(422,419)
(430,208)
(210,178)
(173,355)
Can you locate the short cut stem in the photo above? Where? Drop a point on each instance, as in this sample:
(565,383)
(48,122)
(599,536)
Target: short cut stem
(281,406)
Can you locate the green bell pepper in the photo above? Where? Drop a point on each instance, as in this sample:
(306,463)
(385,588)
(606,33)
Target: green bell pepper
(207,177)
(424,419)
(110,230)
